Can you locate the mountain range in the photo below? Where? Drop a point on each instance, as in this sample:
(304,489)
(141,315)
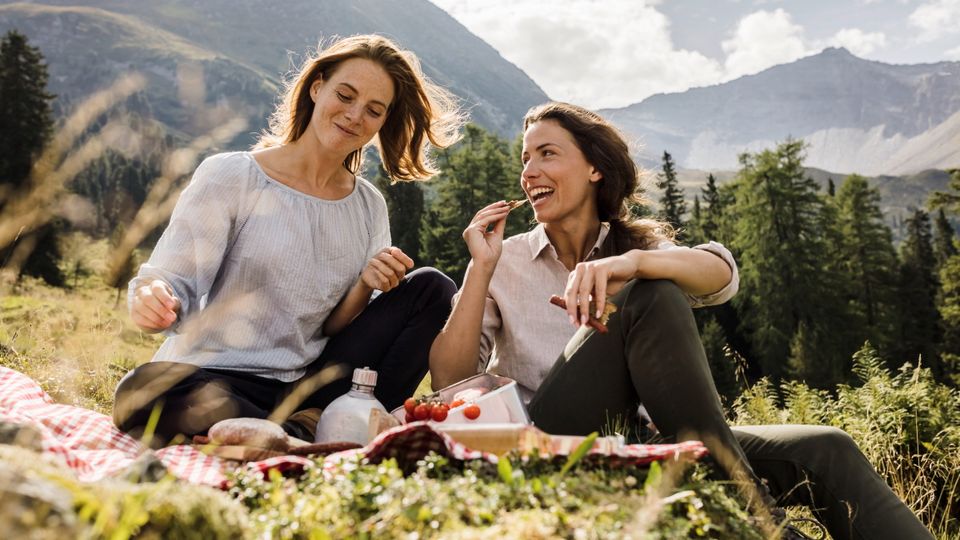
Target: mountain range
(856,115)
(244,48)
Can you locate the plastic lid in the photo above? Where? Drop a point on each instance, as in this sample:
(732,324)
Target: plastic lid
(365,376)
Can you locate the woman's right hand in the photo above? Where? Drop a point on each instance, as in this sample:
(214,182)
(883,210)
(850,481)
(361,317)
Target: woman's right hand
(486,243)
(154,306)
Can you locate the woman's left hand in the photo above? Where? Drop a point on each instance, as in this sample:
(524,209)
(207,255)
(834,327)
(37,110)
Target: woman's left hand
(595,280)
(386,269)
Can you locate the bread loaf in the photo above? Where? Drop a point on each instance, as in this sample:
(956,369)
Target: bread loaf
(254,432)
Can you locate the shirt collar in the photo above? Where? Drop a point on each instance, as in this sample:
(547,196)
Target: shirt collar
(539,241)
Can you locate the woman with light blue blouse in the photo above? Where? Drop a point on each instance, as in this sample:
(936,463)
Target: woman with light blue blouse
(263,279)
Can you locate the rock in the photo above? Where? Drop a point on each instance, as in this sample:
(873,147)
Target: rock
(35,508)
(22,435)
(146,468)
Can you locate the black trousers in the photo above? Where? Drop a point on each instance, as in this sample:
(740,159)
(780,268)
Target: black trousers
(392,335)
(653,354)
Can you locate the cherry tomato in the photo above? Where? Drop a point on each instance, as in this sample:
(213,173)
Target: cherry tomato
(409,405)
(440,413)
(407,418)
(421,412)
(456,403)
(472,412)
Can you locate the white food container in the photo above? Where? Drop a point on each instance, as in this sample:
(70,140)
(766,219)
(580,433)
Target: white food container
(500,403)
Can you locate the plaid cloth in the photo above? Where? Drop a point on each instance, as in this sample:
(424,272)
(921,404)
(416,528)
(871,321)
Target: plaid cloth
(409,443)
(90,445)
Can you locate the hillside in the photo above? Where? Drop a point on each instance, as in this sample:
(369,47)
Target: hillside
(857,115)
(245,48)
(88,48)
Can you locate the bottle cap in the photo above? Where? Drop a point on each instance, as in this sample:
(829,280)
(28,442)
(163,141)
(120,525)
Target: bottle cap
(365,376)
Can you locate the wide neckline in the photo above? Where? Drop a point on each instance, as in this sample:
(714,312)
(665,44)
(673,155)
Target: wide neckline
(281,185)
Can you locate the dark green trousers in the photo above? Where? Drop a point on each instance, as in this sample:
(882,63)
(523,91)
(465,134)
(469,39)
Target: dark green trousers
(653,355)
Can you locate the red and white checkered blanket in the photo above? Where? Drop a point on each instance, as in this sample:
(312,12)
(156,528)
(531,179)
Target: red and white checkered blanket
(93,448)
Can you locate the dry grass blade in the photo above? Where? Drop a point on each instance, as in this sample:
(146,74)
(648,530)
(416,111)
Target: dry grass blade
(305,387)
(163,195)
(31,207)
(658,496)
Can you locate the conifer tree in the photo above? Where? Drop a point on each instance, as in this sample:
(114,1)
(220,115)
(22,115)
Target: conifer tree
(26,118)
(869,262)
(919,285)
(950,286)
(950,319)
(26,125)
(713,203)
(949,199)
(720,326)
(944,236)
(672,205)
(778,234)
(479,170)
(694,229)
(405,206)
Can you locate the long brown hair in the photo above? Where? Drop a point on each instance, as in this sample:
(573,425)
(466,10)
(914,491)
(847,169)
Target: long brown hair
(421,111)
(618,191)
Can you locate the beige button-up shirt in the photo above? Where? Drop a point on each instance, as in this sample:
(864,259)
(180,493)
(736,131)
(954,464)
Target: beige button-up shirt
(523,334)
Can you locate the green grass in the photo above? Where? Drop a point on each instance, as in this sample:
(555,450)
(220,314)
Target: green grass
(78,343)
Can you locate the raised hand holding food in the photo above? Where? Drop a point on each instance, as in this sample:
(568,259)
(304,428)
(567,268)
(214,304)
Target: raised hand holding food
(598,324)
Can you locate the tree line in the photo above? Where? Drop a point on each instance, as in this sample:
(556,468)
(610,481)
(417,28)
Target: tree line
(820,274)
(819,271)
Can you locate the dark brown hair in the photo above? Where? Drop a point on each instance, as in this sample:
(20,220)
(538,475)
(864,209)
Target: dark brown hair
(421,111)
(618,191)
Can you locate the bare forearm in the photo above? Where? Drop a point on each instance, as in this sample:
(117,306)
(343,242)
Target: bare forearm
(695,271)
(349,307)
(455,351)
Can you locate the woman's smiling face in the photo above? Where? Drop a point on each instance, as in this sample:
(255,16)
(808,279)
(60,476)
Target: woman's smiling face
(351,105)
(560,183)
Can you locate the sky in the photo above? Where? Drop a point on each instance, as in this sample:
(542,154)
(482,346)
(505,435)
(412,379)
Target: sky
(612,53)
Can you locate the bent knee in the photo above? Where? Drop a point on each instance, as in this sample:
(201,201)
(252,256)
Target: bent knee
(827,437)
(655,293)
(432,281)
(152,372)
(819,446)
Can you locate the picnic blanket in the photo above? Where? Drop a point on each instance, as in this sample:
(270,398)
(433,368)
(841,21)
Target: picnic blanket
(90,445)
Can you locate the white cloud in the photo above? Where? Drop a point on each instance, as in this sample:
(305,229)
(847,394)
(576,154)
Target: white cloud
(857,41)
(612,53)
(763,39)
(936,19)
(952,54)
(594,53)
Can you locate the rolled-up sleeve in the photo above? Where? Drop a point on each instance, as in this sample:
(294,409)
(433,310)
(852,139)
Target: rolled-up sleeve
(729,290)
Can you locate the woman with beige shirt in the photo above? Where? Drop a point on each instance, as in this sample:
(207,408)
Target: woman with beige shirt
(579,177)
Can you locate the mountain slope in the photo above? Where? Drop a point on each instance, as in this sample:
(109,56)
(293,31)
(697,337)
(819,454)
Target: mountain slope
(266,38)
(88,48)
(855,114)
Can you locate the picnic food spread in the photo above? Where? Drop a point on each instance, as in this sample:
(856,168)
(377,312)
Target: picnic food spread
(434,408)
